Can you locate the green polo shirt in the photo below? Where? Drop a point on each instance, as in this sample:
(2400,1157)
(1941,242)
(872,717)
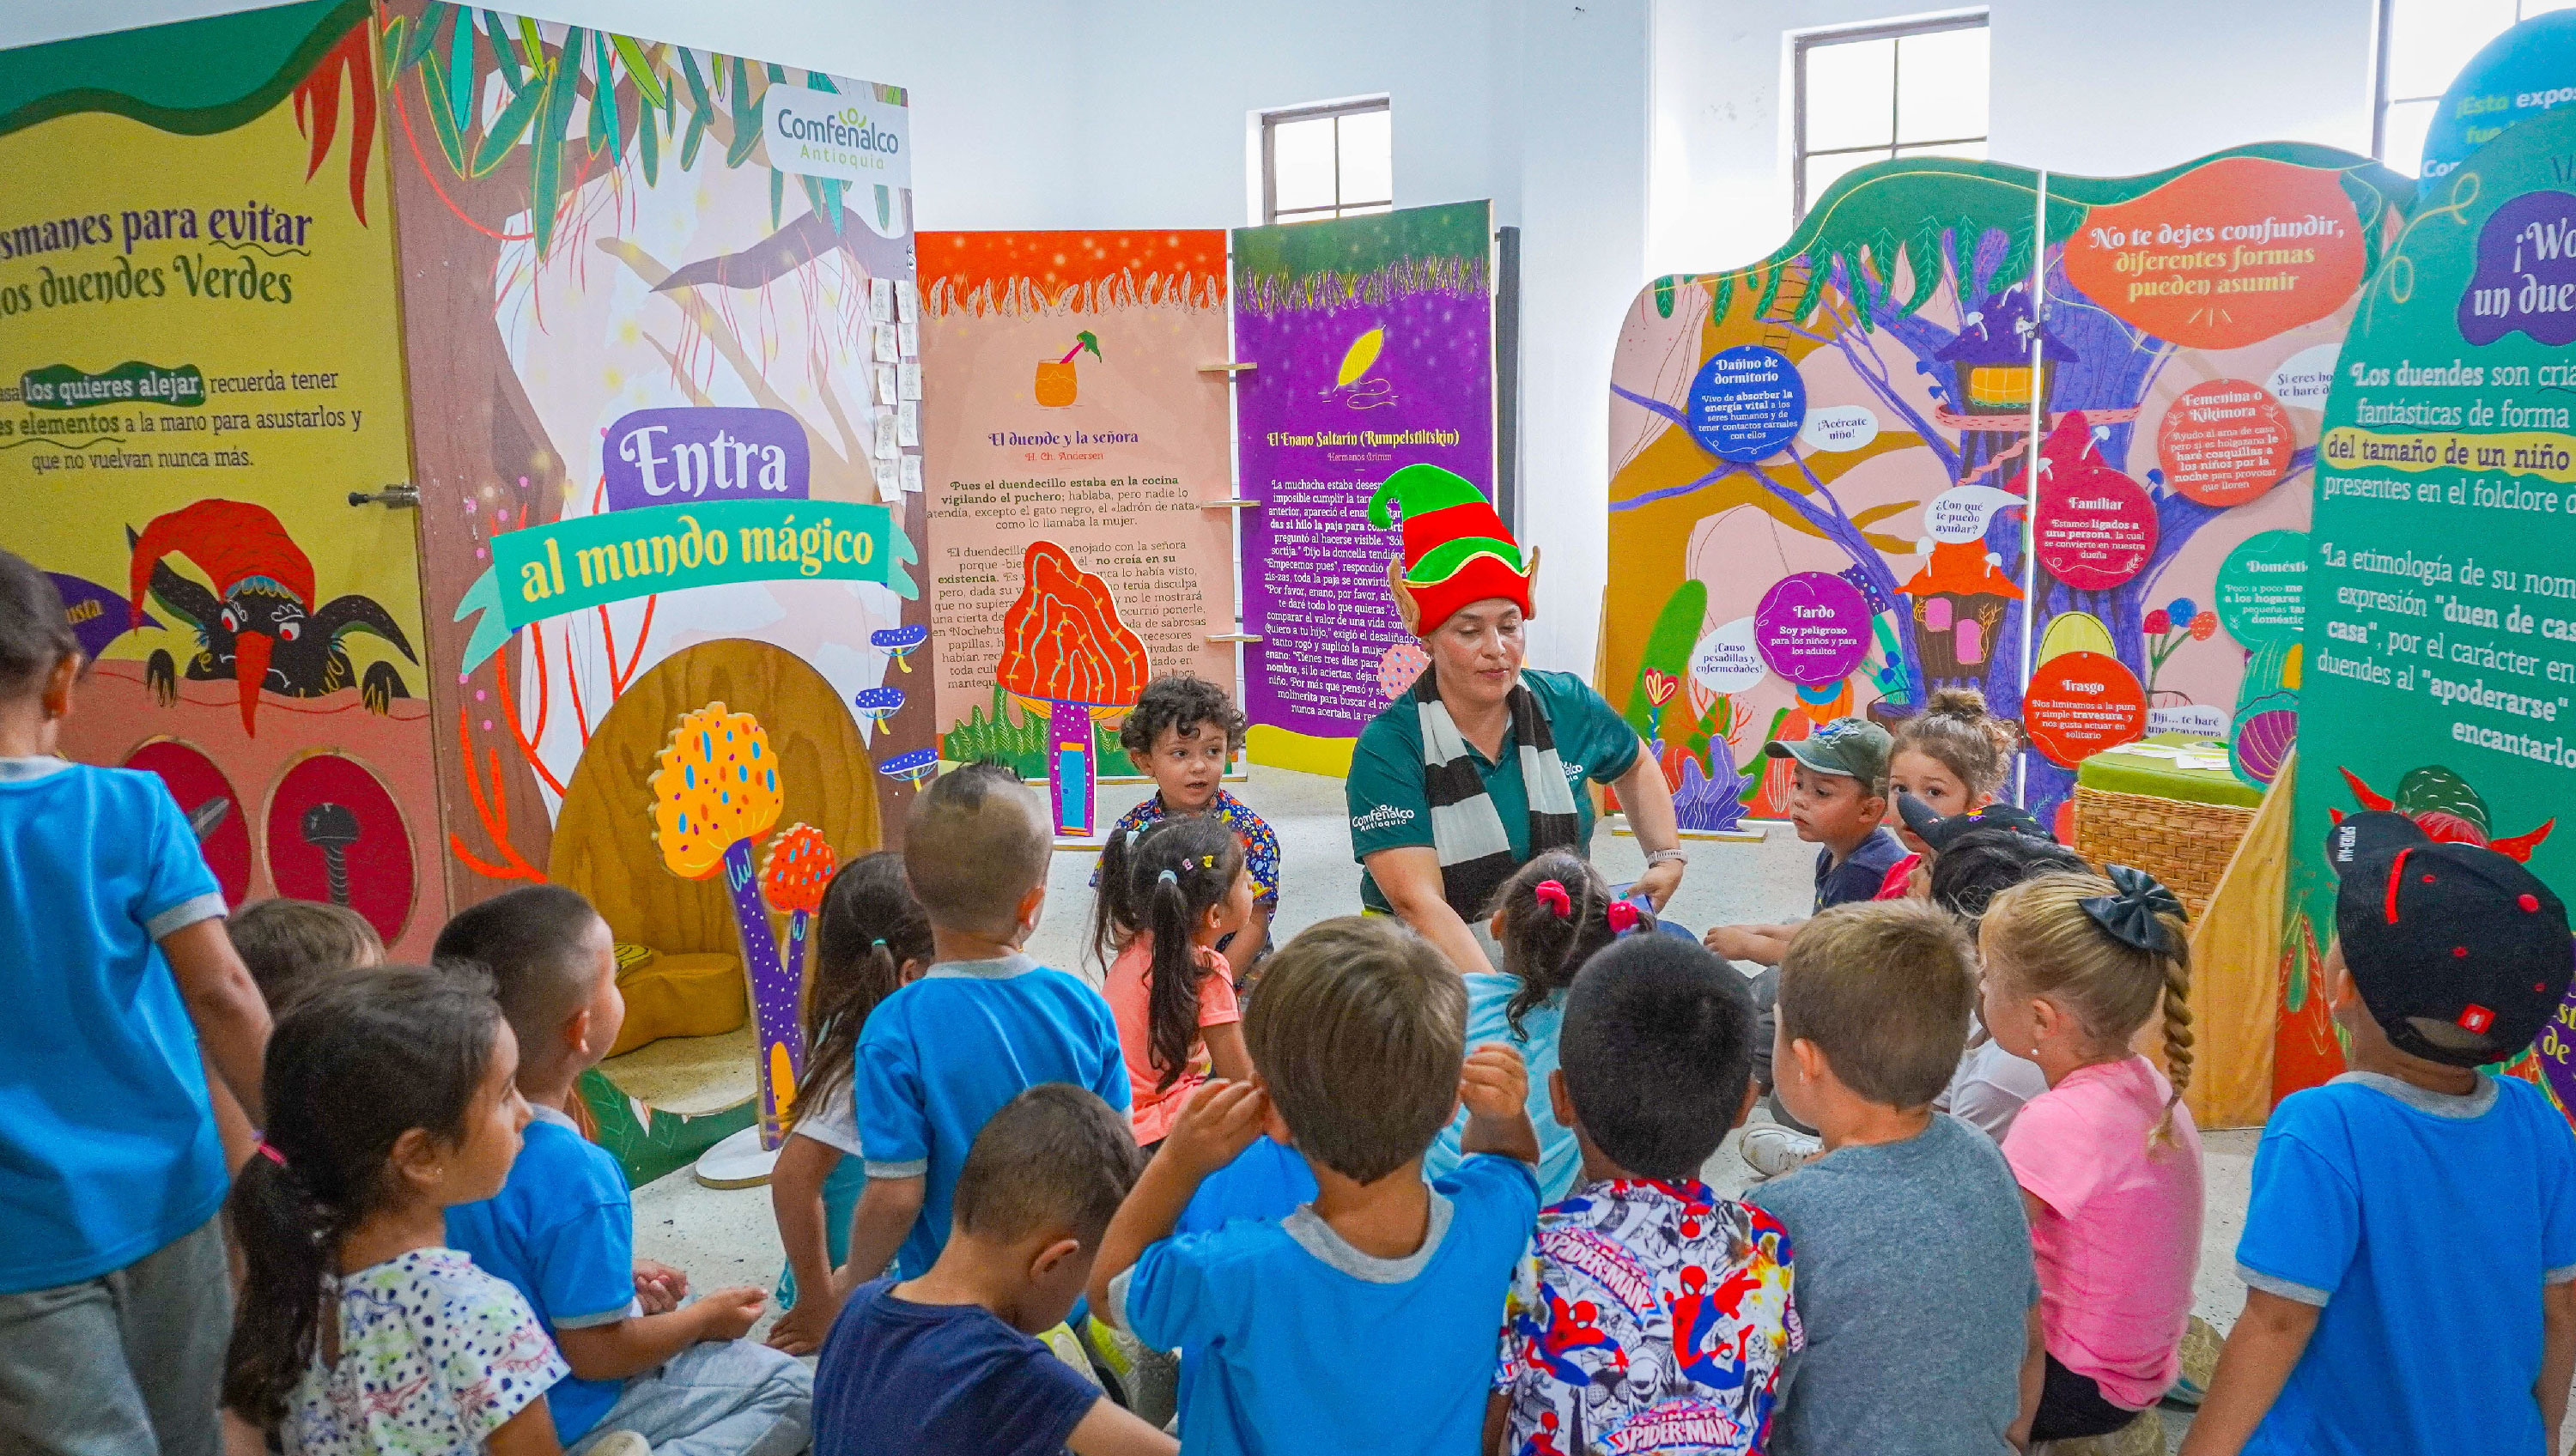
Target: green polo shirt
(1390,810)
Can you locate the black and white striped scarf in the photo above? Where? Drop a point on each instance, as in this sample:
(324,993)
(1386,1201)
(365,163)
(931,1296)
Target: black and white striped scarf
(1466,831)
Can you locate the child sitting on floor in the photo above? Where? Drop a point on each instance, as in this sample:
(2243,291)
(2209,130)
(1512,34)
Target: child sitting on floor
(293,947)
(1550,917)
(870,940)
(2410,1251)
(984,1023)
(1184,732)
(2107,1158)
(947,1363)
(1172,993)
(1873,1009)
(562,1229)
(391,1096)
(290,948)
(121,991)
(1951,757)
(1968,870)
(1363,1321)
(1649,1314)
(1841,803)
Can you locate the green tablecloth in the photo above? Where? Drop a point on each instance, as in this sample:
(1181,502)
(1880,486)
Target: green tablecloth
(2199,775)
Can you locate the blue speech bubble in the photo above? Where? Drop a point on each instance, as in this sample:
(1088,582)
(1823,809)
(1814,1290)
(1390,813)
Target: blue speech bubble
(1746,403)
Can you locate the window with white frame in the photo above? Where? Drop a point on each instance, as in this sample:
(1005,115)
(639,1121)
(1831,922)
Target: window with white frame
(1912,90)
(1327,161)
(2422,45)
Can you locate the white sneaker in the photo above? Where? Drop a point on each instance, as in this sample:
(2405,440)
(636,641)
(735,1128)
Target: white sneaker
(1771,1150)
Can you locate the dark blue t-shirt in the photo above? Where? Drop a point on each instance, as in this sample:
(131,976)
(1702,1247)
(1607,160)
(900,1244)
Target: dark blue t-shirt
(1861,872)
(903,1379)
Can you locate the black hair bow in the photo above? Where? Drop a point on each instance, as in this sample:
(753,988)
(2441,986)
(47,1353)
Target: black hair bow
(2135,914)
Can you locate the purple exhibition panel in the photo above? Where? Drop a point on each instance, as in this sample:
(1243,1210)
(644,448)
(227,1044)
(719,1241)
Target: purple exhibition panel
(1372,339)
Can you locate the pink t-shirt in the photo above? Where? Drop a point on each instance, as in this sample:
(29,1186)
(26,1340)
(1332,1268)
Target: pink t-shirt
(2120,1236)
(1130,992)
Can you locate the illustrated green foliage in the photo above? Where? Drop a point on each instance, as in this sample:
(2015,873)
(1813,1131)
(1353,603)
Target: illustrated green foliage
(1022,744)
(648,97)
(1930,212)
(1668,651)
(648,1142)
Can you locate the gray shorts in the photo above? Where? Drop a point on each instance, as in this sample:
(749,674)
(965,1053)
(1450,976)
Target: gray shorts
(130,1363)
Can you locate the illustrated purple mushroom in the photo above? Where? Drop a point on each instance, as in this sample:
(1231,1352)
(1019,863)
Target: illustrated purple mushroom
(912,768)
(878,704)
(715,794)
(898,642)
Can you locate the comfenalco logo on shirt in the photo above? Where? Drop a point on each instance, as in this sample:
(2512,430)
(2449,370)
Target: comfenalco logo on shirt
(1384,816)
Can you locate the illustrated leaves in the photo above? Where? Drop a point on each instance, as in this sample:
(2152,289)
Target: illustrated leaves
(510,127)
(647,83)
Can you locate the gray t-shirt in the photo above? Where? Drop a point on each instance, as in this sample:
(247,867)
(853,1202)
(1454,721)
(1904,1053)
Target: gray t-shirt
(1914,1286)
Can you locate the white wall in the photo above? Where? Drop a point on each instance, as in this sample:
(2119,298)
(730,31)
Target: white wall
(1625,137)
(2100,87)
(1111,113)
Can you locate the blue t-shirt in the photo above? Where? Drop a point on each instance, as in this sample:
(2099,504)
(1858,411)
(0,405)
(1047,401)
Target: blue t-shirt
(1314,1347)
(108,1149)
(942,1055)
(898,1378)
(1560,1159)
(563,1232)
(2425,1226)
(1265,1181)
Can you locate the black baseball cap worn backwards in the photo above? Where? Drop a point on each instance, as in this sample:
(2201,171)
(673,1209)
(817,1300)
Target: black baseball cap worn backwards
(2460,953)
(1938,831)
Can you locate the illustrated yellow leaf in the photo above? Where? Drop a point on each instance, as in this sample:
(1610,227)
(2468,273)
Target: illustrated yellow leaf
(1363,353)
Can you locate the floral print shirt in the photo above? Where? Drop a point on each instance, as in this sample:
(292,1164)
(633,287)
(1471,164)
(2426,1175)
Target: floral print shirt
(435,1355)
(1260,845)
(1646,1316)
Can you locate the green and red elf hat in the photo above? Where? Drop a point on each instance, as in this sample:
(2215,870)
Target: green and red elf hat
(1457,551)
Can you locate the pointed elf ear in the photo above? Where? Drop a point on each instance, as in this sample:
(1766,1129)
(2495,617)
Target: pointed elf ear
(1531,576)
(1405,606)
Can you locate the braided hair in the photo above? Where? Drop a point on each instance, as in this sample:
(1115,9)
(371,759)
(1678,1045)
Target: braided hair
(364,1059)
(2040,937)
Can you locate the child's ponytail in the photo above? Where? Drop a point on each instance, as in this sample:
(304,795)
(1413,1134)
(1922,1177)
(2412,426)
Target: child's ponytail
(2111,948)
(349,1070)
(1181,869)
(1116,917)
(1557,912)
(868,927)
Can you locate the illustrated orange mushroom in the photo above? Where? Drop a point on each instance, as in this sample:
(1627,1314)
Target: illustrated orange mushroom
(715,792)
(1064,649)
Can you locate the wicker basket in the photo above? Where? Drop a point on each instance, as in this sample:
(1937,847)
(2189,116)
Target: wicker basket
(2185,845)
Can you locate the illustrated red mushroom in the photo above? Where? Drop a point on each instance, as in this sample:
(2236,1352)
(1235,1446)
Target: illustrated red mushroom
(1064,649)
(792,879)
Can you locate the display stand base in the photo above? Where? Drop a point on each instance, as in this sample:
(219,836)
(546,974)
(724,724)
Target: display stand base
(737,1162)
(1751,831)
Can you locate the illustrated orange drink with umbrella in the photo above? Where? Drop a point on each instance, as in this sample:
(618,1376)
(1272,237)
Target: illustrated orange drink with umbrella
(1056,385)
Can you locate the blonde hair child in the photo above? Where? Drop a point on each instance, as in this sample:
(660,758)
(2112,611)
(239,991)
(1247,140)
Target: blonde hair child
(2076,966)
